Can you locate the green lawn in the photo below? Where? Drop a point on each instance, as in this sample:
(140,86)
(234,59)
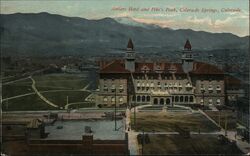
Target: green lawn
(17,88)
(60,98)
(227,118)
(167,122)
(31,102)
(59,82)
(197,144)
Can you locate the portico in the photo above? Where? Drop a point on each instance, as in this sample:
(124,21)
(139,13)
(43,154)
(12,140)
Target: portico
(161,98)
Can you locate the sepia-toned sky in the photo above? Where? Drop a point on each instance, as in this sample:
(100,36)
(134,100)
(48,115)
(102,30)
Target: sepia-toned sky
(236,22)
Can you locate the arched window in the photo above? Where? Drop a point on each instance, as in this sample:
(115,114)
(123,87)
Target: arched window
(162,101)
(155,101)
(186,98)
(138,98)
(181,99)
(148,98)
(143,98)
(168,101)
(177,99)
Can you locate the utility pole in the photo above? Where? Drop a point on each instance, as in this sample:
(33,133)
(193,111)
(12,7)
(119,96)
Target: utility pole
(225,124)
(7,104)
(219,116)
(142,144)
(115,110)
(135,112)
(67,100)
(203,105)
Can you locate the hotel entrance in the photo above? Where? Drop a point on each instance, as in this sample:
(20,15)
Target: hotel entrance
(161,98)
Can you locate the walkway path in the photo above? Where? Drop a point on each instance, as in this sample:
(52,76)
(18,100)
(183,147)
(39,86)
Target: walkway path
(132,136)
(40,95)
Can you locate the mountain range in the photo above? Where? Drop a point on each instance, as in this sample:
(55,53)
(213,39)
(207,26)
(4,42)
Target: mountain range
(44,34)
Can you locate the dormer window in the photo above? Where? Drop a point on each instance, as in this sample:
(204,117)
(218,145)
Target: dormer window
(172,69)
(145,69)
(166,85)
(180,85)
(152,84)
(188,85)
(170,85)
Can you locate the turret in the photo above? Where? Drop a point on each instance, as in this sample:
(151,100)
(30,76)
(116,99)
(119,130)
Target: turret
(187,57)
(130,57)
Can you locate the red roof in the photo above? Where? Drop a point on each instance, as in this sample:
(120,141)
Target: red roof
(205,68)
(164,66)
(230,80)
(116,66)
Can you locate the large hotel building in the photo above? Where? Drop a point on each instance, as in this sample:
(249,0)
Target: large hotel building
(127,81)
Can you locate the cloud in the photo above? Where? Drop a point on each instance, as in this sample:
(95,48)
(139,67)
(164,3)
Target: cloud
(195,20)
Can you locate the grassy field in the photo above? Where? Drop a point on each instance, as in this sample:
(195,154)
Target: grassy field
(231,118)
(31,102)
(167,121)
(60,98)
(197,144)
(60,82)
(59,86)
(17,88)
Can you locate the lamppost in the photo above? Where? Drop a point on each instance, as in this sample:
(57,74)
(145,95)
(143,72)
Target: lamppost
(135,112)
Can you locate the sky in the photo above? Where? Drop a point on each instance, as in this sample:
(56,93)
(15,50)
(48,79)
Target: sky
(222,15)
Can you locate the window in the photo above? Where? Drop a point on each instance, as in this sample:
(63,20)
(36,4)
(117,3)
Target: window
(121,99)
(186,98)
(113,87)
(218,88)
(210,101)
(105,88)
(191,99)
(181,99)
(113,99)
(148,98)
(218,101)
(143,98)
(177,99)
(138,98)
(202,87)
(105,99)
(210,88)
